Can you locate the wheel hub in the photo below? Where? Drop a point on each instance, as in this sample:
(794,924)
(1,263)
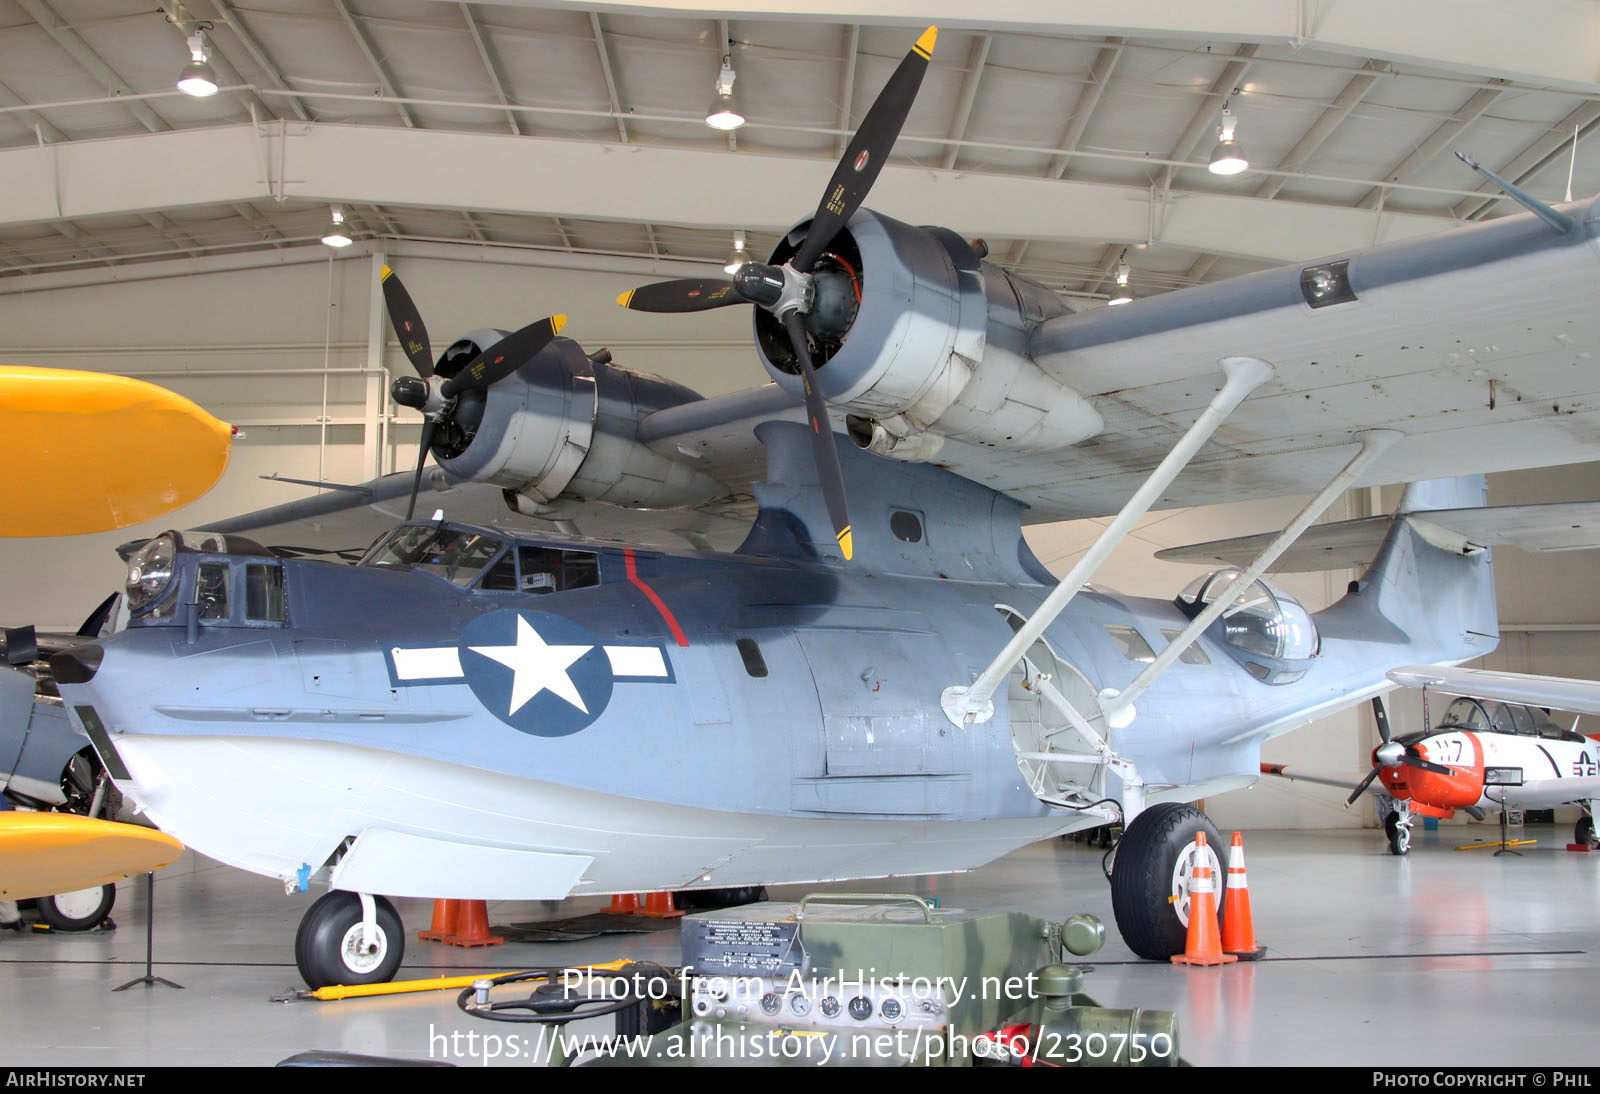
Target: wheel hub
(1183,874)
(363,959)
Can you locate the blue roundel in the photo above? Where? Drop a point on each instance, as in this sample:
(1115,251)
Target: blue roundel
(539,673)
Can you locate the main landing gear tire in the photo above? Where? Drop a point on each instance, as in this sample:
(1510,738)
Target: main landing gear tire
(1584,832)
(707,900)
(1399,835)
(1150,877)
(83,910)
(327,948)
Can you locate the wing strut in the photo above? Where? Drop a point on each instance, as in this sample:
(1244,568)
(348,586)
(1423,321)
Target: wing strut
(975,703)
(1119,706)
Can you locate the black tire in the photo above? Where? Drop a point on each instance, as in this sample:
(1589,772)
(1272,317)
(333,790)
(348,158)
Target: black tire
(705,900)
(1142,877)
(324,946)
(1583,832)
(83,910)
(1399,835)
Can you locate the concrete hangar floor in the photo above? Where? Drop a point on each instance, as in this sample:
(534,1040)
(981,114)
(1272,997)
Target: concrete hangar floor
(1439,958)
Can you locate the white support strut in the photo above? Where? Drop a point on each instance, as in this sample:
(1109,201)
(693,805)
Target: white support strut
(974,703)
(1118,706)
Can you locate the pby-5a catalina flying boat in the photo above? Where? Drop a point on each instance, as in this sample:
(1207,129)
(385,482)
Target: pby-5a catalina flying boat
(881,679)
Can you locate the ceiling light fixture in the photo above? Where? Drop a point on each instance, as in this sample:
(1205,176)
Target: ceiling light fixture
(1227,158)
(337,236)
(197,79)
(1124,294)
(724,112)
(738,256)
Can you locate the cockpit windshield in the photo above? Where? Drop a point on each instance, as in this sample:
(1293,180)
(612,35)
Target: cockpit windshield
(1268,630)
(455,554)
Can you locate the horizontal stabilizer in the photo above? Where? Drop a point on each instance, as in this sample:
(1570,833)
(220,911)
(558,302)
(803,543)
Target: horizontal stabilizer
(1561,693)
(1351,544)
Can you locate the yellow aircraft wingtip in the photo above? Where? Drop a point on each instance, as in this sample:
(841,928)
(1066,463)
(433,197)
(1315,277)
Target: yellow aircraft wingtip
(134,450)
(924,44)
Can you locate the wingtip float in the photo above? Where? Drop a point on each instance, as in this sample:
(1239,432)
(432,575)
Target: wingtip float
(116,451)
(46,853)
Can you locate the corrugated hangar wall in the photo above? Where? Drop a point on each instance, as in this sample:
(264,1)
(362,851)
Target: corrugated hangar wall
(280,347)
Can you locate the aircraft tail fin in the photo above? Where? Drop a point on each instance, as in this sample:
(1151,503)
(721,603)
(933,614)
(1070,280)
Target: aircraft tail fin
(1429,583)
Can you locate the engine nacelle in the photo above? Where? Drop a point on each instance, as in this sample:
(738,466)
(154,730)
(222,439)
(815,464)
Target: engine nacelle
(919,341)
(564,424)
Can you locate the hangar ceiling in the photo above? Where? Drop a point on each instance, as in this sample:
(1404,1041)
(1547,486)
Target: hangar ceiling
(1063,132)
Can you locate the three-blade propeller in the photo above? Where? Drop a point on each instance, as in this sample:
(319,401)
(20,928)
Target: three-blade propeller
(435,396)
(1391,753)
(787,291)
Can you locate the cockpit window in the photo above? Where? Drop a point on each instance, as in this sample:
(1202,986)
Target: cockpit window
(1264,620)
(1465,714)
(1266,630)
(455,554)
(551,570)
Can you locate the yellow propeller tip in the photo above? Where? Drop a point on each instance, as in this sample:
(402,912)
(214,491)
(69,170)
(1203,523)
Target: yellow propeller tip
(623,298)
(557,322)
(384,273)
(847,544)
(924,44)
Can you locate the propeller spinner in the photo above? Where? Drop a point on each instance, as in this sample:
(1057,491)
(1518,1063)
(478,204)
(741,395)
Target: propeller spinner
(436,397)
(1391,754)
(788,291)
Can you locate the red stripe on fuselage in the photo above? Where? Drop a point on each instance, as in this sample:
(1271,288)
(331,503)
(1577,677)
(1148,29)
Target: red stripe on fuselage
(660,605)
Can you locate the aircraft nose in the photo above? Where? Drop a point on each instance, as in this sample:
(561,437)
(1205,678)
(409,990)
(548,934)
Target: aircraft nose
(76,665)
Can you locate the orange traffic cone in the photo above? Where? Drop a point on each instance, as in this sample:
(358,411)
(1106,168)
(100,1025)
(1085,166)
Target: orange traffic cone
(472,926)
(660,906)
(1238,929)
(1203,946)
(445,913)
(624,904)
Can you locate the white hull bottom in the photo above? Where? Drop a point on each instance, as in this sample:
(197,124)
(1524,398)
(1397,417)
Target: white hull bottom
(430,828)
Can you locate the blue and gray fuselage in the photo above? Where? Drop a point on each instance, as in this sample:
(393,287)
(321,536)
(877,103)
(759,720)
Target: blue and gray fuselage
(567,716)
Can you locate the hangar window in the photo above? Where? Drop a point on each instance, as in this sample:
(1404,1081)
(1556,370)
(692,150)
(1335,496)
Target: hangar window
(1268,631)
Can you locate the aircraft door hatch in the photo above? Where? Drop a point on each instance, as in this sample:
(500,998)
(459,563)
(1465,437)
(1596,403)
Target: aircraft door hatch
(868,688)
(1057,727)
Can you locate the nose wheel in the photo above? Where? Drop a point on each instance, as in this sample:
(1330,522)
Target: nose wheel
(1397,828)
(333,945)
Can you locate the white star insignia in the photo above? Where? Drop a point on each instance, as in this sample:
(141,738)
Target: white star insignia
(537,666)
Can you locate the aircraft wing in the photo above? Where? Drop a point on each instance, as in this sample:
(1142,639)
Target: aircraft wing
(1476,344)
(1578,696)
(344,520)
(1549,793)
(1283,771)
